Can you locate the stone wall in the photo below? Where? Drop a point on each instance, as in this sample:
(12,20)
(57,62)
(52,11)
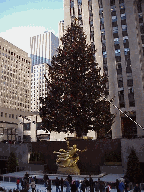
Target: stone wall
(21,151)
(127,145)
(90,161)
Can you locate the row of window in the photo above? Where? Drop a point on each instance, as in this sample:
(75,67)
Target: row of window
(6,115)
(12,53)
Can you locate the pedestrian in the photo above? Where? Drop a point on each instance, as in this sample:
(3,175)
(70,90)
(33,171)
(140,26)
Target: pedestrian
(127,181)
(67,185)
(57,183)
(45,178)
(96,186)
(108,187)
(22,183)
(121,186)
(30,180)
(100,185)
(62,184)
(69,179)
(117,185)
(91,184)
(137,188)
(87,184)
(73,187)
(33,186)
(17,182)
(35,179)
(48,183)
(77,185)
(83,186)
(26,176)
(27,185)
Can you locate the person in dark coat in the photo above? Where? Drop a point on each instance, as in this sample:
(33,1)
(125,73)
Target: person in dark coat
(48,185)
(100,185)
(45,178)
(77,184)
(35,179)
(62,184)
(137,188)
(69,179)
(117,185)
(57,183)
(91,184)
(22,183)
(73,187)
(83,186)
(97,186)
(26,177)
(87,184)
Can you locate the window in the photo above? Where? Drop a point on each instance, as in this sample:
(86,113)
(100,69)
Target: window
(1,114)
(118,58)
(26,126)
(115,29)
(13,116)
(130,82)
(114,18)
(9,115)
(120,83)
(124,27)
(121,98)
(117,52)
(5,114)
(131,97)
(123,16)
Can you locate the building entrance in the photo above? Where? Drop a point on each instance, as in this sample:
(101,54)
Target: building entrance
(129,129)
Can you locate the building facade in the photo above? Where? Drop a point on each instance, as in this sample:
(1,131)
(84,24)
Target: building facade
(116,29)
(61,31)
(43,47)
(39,86)
(15,84)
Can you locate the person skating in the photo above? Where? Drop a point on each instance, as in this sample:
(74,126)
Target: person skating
(33,186)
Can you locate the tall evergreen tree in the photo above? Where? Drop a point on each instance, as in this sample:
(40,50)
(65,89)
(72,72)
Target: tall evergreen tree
(75,100)
(133,172)
(12,163)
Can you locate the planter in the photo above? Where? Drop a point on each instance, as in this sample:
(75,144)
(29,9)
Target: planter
(112,163)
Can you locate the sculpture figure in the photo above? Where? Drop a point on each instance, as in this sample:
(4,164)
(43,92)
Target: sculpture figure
(67,159)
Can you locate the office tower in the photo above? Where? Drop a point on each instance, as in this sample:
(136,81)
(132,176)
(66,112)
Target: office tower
(43,47)
(116,30)
(39,85)
(15,100)
(61,30)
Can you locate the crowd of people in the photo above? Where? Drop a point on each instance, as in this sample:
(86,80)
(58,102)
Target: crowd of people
(86,185)
(27,182)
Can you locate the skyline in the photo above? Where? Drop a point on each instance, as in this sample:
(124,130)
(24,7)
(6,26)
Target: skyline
(22,20)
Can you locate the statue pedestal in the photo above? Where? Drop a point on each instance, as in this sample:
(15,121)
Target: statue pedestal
(69,170)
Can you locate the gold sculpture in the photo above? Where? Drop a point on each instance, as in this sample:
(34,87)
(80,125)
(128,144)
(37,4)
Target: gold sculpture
(67,160)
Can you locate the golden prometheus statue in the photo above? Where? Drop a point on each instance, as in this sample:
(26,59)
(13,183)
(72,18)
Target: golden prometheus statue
(67,160)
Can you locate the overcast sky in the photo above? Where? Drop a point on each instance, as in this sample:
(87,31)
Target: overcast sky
(22,19)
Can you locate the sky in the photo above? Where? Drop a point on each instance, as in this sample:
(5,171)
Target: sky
(22,19)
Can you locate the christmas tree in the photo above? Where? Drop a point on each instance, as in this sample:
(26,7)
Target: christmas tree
(133,173)
(12,163)
(75,100)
